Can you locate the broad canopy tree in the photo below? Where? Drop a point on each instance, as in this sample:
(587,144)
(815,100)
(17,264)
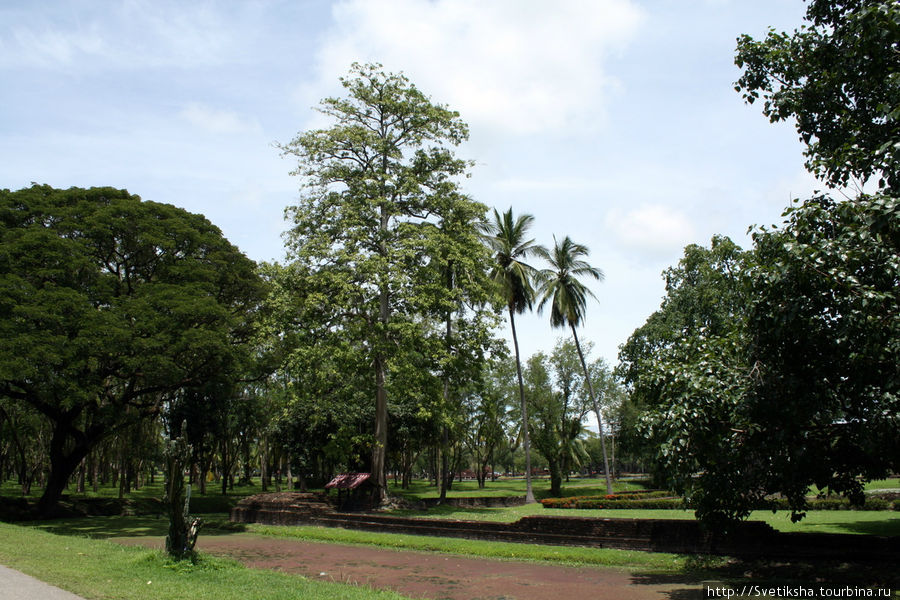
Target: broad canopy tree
(108,306)
(777,369)
(825,338)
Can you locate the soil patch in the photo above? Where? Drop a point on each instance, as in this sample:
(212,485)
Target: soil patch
(435,575)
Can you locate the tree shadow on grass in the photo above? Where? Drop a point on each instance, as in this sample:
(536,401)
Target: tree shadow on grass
(701,573)
(129,526)
(887,526)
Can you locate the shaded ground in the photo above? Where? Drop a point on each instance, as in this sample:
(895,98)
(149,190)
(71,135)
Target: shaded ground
(435,575)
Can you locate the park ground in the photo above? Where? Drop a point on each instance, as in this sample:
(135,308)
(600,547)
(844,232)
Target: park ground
(118,557)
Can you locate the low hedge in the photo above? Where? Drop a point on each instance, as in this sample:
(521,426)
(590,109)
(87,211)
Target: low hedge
(602,502)
(613,502)
(832,504)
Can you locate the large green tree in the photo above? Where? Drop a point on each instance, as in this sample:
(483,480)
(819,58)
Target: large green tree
(838,79)
(374,185)
(778,369)
(558,407)
(561,288)
(507,238)
(707,294)
(109,306)
(825,341)
(687,370)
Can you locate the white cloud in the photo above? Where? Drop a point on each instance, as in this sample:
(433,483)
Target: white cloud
(133,34)
(217,121)
(51,47)
(520,67)
(651,230)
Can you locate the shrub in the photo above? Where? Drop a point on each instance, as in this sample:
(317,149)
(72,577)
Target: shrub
(602,502)
(657,502)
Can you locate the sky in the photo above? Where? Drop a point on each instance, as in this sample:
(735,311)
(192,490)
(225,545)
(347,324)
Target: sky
(614,122)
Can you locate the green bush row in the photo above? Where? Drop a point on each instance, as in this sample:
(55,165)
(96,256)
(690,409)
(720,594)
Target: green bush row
(601,502)
(627,495)
(833,504)
(677,503)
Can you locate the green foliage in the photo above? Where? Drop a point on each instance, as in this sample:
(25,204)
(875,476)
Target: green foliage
(796,386)
(384,249)
(658,501)
(686,369)
(558,402)
(108,307)
(839,79)
(614,503)
(826,340)
(507,238)
(487,417)
(560,286)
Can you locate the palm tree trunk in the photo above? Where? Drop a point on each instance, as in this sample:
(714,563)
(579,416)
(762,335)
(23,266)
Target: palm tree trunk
(529,494)
(587,378)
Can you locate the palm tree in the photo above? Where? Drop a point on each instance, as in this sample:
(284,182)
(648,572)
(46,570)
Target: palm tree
(507,240)
(559,286)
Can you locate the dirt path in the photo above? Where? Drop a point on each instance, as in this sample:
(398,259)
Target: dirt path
(435,575)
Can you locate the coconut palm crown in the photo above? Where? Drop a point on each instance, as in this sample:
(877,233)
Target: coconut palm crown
(560,286)
(506,238)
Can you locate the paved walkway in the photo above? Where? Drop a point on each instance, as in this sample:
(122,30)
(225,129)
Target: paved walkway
(19,586)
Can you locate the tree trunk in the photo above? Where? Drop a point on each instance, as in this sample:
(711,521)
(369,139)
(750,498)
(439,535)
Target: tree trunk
(555,479)
(225,466)
(379,449)
(62,465)
(587,378)
(445,459)
(95,471)
(264,464)
(289,472)
(81,476)
(529,494)
(183,530)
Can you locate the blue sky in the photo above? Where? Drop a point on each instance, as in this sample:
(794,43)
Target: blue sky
(612,121)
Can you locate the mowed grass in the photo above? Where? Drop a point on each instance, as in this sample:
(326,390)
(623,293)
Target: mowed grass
(570,555)
(514,486)
(103,569)
(150,527)
(821,521)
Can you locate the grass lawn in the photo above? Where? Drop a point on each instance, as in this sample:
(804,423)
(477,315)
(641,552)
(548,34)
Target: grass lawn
(122,571)
(508,486)
(823,521)
(892,484)
(129,526)
(101,569)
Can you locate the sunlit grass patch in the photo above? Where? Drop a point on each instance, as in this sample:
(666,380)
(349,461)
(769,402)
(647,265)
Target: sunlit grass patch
(103,569)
